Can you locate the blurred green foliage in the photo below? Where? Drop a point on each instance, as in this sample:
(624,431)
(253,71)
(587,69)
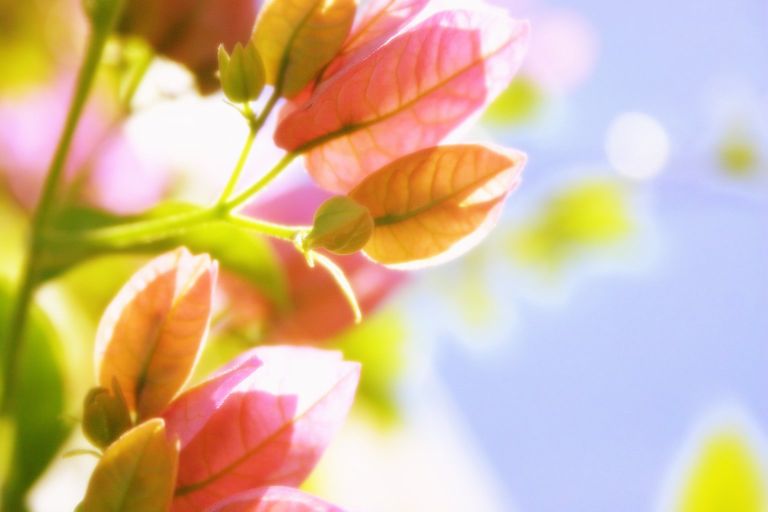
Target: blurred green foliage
(379,344)
(726,477)
(738,155)
(519,103)
(38,406)
(588,215)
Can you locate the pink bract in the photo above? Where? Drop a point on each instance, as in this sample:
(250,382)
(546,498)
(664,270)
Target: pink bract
(266,428)
(408,95)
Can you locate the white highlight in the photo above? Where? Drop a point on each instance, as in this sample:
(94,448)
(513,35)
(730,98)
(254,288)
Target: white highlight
(637,145)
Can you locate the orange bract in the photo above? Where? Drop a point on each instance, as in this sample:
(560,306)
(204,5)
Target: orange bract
(151,334)
(436,202)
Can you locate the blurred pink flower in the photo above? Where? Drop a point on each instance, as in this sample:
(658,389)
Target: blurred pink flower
(563,50)
(262,420)
(102,164)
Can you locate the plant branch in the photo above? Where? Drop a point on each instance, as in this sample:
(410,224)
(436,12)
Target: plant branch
(104,16)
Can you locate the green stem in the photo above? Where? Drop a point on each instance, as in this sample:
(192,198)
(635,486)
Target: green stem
(265,180)
(101,28)
(266,228)
(235,177)
(136,78)
(255,125)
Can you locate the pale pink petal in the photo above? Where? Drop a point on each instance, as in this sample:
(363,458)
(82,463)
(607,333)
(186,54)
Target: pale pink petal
(406,96)
(271,429)
(189,413)
(379,21)
(274,499)
(564,52)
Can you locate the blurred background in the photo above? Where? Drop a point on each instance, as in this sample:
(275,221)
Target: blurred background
(605,349)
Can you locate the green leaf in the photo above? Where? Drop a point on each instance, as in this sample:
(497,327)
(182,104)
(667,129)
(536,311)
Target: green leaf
(38,427)
(136,474)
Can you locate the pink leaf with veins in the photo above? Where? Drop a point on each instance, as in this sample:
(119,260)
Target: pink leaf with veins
(380,20)
(406,96)
(270,429)
(274,499)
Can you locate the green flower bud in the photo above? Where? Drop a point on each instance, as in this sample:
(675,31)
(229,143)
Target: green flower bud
(105,415)
(341,225)
(242,73)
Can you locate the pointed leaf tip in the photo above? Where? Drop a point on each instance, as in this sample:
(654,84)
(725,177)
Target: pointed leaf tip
(151,334)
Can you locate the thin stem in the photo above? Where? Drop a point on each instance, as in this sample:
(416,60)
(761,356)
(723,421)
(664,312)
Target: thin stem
(266,228)
(235,177)
(28,281)
(255,125)
(135,80)
(265,180)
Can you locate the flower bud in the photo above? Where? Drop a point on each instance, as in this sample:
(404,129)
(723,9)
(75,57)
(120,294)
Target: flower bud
(242,73)
(341,225)
(105,415)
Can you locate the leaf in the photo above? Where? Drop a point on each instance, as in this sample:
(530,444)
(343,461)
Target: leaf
(297,38)
(38,405)
(270,429)
(151,333)
(274,499)
(726,476)
(379,20)
(136,474)
(408,95)
(436,202)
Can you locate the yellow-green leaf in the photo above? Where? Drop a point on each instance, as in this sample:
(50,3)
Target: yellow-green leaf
(297,38)
(136,474)
(436,202)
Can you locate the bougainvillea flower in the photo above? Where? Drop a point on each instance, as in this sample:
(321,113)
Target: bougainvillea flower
(108,170)
(151,334)
(190,32)
(428,80)
(263,420)
(317,308)
(274,499)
